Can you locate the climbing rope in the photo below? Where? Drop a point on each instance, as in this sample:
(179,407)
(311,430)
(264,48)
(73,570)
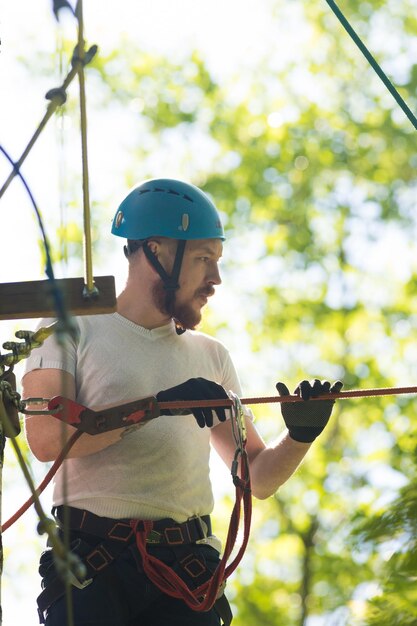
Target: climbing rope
(341,395)
(372,61)
(74,414)
(80,57)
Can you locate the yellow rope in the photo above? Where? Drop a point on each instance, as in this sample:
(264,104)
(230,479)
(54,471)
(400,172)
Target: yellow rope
(91,289)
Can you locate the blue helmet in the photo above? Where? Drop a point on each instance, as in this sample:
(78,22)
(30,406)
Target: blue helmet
(167,207)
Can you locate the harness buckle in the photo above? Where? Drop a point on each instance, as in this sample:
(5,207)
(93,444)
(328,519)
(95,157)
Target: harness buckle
(193,566)
(201,526)
(99,558)
(80,585)
(174,536)
(120,532)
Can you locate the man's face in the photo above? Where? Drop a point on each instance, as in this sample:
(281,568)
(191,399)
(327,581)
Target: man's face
(198,277)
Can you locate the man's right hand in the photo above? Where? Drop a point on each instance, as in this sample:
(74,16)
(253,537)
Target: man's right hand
(196,389)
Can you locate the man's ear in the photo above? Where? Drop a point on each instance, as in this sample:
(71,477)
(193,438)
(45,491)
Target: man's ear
(154,246)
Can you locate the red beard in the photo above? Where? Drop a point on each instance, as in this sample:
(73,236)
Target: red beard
(183,314)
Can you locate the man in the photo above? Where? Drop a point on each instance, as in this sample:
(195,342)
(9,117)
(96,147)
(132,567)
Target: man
(159,471)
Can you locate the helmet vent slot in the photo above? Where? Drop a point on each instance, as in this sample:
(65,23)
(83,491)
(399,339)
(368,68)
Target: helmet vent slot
(185,221)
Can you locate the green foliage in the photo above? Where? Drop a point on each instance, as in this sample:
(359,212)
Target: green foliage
(393,533)
(311,162)
(322,176)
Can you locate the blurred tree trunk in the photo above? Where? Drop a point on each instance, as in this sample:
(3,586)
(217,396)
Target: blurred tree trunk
(305,586)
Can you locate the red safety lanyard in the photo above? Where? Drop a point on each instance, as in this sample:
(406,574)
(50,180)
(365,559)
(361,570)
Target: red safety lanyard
(94,422)
(204,597)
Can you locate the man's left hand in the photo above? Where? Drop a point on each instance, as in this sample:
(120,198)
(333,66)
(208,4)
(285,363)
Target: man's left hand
(306,420)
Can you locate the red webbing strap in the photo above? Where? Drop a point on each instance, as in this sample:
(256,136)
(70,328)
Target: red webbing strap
(204,597)
(51,473)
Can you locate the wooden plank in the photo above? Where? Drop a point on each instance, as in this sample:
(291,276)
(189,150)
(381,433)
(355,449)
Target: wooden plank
(34,298)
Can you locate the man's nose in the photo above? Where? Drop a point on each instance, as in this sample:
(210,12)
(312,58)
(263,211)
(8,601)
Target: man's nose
(214,276)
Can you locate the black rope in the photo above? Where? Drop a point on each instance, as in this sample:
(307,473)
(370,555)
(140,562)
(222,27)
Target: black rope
(56,291)
(57,5)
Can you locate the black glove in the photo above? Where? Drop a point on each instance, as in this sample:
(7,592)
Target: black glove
(306,421)
(196,389)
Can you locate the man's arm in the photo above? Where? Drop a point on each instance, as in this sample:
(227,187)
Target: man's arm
(46,434)
(270,466)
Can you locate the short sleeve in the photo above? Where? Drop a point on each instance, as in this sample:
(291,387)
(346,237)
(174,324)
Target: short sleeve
(53,355)
(231,382)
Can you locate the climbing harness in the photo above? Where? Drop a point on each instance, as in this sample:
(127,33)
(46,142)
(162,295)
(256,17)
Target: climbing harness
(184,584)
(148,532)
(135,413)
(117,534)
(114,536)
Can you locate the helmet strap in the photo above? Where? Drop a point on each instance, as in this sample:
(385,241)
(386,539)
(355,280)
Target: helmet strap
(171,282)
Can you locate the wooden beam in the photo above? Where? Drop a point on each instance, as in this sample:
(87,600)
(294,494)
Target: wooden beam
(34,298)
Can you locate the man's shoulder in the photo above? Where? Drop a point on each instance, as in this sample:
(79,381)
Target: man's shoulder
(94,321)
(197,336)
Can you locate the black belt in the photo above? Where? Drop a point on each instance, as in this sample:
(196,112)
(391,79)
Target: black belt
(164,532)
(116,534)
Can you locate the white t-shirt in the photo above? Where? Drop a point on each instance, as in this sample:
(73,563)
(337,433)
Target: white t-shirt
(162,468)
